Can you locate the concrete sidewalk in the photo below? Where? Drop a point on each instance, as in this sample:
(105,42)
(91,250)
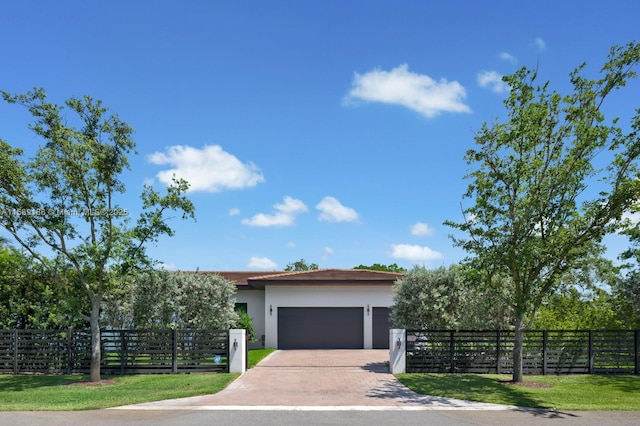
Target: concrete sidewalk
(319,379)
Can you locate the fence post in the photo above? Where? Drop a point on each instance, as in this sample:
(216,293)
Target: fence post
(397,350)
(636,348)
(15,351)
(237,343)
(174,355)
(498,353)
(452,352)
(123,352)
(69,351)
(591,352)
(545,339)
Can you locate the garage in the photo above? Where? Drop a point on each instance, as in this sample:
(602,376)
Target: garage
(320,328)
(381,326)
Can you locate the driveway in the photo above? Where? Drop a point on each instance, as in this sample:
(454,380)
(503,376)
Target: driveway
(319,378)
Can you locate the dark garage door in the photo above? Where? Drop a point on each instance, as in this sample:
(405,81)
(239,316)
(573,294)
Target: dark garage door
(320,328)
(381,326)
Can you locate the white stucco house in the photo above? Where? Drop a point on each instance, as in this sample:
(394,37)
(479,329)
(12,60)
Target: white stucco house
(317,309)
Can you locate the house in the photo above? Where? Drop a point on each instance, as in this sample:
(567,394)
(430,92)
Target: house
(317,309)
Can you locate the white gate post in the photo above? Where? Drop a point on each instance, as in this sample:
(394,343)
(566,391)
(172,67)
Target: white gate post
(237,351)
(397,350)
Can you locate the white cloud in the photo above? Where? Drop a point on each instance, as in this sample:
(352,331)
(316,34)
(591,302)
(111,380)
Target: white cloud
(419,229)
(291,244)
(261,263)
(284,215)
(540,44)
(418,92)
(326,254)
(234,211)
(167,266)
(508,57)
(332,211)
(210,169)
(493,80)
(414,253)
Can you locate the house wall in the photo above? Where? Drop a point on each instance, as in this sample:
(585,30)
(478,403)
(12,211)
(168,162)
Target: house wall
(276,296)
(255,308)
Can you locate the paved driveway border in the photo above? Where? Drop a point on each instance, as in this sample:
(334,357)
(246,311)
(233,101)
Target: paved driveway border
(318,380)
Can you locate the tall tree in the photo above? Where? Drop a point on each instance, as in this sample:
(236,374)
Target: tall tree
(63,206)
(532,218)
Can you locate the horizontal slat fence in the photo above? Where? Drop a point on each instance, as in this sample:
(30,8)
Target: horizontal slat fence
(123,351)
(544,351)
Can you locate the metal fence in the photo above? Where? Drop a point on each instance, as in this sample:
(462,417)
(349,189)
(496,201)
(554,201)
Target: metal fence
(123,351)
(544,351)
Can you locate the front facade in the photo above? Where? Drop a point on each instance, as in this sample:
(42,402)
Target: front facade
(318,309)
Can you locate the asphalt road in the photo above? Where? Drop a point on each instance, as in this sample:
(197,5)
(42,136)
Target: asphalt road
(296,417)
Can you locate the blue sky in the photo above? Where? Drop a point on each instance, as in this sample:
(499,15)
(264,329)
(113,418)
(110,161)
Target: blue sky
(332,131)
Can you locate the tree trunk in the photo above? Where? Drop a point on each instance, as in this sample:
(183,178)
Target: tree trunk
(96,353)
(517,350)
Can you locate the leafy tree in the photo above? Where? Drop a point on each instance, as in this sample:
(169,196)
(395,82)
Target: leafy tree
(170,299)
(532,219)
(428,299)
(385,268)
(573,310)
(204,300)
(31,299)
(301,265)
(446,299)
(62,206)
(626,293)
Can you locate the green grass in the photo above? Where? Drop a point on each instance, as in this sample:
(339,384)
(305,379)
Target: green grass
(570,392)
(257,355)
(43,392)
(57,392)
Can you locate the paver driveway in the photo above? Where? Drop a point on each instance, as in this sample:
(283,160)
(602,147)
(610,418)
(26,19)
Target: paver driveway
(306,378)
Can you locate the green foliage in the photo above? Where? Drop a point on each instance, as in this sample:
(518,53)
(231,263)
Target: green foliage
(31,297)
(246,322)
(447,299)
(301,265)
(65,199)
(385,268)
(626,294)
(165,299)
(532,218)
(427,299)
(571,310)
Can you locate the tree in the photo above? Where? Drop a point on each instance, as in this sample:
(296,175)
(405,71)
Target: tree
(385,268)
(172,299)
(626,292)
(301,265)
(428,299)
(62,205)
(447,299)
(572,310)
(31,299)
(532,218)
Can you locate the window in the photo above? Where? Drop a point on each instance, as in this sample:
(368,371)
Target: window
(241,307)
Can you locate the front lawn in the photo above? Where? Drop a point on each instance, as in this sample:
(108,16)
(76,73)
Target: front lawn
(569,392)
(63,393)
